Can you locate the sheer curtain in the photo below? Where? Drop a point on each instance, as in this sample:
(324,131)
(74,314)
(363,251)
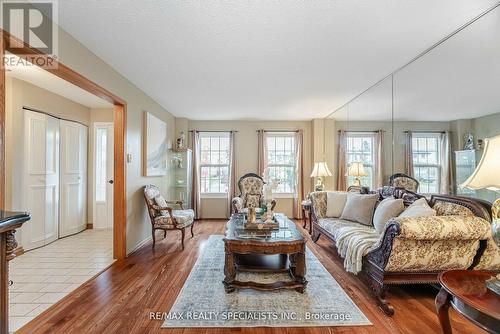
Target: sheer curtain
(445,158)
(379,159)
(232,175)
(409,153)
(261,152)
(341,177)
(195,193)
(299,175)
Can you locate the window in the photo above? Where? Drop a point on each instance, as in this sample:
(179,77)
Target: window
(100,164)
(360,148)
(281,160)
(426,164)
(214,162)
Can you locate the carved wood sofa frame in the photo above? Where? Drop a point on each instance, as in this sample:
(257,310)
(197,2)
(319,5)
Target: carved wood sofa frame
(373,273)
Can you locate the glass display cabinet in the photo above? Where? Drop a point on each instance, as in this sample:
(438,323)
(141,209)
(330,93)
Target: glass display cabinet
(181,176)
(465,164)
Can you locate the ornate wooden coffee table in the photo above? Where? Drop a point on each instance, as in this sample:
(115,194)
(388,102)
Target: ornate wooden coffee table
(281,250)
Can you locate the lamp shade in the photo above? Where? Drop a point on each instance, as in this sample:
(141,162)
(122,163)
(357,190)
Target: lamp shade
(356,169)
(320,169)
(487,173)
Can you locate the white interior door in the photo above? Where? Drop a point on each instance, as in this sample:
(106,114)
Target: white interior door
(41,179)
(103,175)
(73,178)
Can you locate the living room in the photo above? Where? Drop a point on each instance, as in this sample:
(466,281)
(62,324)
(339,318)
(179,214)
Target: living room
(278,167)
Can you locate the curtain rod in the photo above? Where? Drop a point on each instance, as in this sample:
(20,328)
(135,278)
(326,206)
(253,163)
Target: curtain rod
(408,131)
(212,131)
(278,130)
(366,131)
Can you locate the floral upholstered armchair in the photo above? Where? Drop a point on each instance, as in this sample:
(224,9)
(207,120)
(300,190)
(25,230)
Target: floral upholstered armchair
(163,217)
(251,188)
(400,180)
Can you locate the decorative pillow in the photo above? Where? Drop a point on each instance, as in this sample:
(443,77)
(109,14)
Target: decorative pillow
(252,200)
(359,208)
(451,209)
(160,201)
(419,208)
(387,209)
(335,203)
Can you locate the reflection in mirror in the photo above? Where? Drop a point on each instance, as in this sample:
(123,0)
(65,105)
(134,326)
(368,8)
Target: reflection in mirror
(445,104)
(364,134)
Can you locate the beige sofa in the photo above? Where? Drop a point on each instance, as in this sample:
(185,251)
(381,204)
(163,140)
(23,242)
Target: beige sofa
(411,250)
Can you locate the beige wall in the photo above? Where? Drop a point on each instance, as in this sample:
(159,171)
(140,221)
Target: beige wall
(246,156)
(21,94)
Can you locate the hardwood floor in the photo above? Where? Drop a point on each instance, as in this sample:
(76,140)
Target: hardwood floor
(121,298)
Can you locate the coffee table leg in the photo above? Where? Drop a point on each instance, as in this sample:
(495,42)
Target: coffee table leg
(229,271)
(442,306)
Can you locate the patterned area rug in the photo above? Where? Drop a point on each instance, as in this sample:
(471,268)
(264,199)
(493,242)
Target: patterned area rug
(203,302)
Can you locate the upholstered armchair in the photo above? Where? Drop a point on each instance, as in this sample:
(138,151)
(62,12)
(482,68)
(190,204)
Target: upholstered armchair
(251,188)
(400,180)
(163,217)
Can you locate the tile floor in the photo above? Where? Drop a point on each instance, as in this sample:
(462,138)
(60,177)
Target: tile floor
(45,275)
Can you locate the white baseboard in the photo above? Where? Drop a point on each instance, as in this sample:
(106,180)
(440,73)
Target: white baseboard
(140,245)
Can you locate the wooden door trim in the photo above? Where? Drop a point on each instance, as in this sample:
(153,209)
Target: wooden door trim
(119,119)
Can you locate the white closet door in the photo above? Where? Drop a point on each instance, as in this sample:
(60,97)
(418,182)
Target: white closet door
(41,179)
(73,178)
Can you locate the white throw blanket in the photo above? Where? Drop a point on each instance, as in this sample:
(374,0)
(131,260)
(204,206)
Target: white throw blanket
(353,243)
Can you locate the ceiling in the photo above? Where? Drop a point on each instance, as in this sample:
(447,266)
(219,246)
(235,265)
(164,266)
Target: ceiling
(44,79)
(279,60)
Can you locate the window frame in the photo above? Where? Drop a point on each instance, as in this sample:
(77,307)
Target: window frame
(208,134)
(437,136)
(283,134)
(361,134)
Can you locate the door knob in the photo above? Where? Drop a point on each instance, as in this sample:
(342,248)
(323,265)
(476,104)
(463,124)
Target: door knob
(110,181)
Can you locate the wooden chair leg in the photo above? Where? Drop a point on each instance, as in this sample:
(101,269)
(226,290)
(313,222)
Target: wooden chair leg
(154,237)
(192,234)
(183,232)
(164,234)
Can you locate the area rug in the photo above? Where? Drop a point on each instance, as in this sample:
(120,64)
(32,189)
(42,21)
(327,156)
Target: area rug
(203,302)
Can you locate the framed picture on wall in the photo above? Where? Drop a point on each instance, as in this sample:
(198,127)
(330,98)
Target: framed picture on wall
(155,146)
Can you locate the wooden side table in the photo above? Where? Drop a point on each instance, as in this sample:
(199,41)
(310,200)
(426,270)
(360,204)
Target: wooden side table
(307,214)
(466,292)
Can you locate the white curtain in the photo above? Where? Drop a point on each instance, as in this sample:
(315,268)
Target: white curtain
(446,168)
(261,152)
(232,175)
(195,193)
(299,176)
(379,160)
(409,153)
(341,161)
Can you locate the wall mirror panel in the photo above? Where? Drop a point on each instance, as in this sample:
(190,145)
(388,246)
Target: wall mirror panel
(363,129)
(445,104)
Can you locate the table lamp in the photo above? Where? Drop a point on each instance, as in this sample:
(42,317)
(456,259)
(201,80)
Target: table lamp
(320,170)
(487,176)
(357,170)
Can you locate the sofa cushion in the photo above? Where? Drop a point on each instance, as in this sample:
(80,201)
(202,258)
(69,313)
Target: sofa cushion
(335,203)
(360,208)
(387,209)
(161,202)
(419,208)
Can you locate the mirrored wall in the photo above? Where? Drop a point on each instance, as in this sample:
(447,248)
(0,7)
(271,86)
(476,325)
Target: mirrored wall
(432,115)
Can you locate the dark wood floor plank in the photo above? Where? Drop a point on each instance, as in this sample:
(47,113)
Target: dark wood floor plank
(121,298)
